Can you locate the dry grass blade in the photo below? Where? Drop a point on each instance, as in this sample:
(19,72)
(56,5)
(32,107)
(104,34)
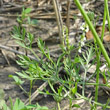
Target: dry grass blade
(68,15)
(3,52)
(59,19)
(15,51)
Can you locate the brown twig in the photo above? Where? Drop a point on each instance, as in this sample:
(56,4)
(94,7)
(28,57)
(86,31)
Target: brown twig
(15,51)
(59,19)
(68,15)
(5,57)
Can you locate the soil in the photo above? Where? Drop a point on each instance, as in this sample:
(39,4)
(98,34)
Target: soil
(46,29)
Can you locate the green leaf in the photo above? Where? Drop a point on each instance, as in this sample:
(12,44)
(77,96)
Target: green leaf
(52,88)
(19,105)
(5,107)
(76,60)
(17,37)
(76,105)
(19,20)
(24,75)
(34,21)
(47,92)
(59,62)
(41,44)
(21,44)
(30,38)
(28,10)
(41,108)
(24,58)
(16,104)
(29,20)
(23,34)
(91,15)
(60,90)
(74,90)
(31,106)
(11,103)
(17,79)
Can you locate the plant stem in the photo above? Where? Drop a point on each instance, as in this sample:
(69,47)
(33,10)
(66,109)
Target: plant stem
(34,54)
(30,91)
(97,76)
(103,27)
(58,106)
(108,101)
(70,104)
(93,31)
(98,57)
(23,90)
(107,11)
(84,82)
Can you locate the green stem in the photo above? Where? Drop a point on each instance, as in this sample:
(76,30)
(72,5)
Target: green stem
(30,91)
(23,90)
(70,108)
(107,10)
(103,27)
(98,58)
(58,104)
(97,76)
(93,31)
(34,54)
(84,82)
(108,101)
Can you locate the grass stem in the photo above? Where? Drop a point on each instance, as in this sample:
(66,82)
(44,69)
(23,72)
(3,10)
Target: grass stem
(58,104)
